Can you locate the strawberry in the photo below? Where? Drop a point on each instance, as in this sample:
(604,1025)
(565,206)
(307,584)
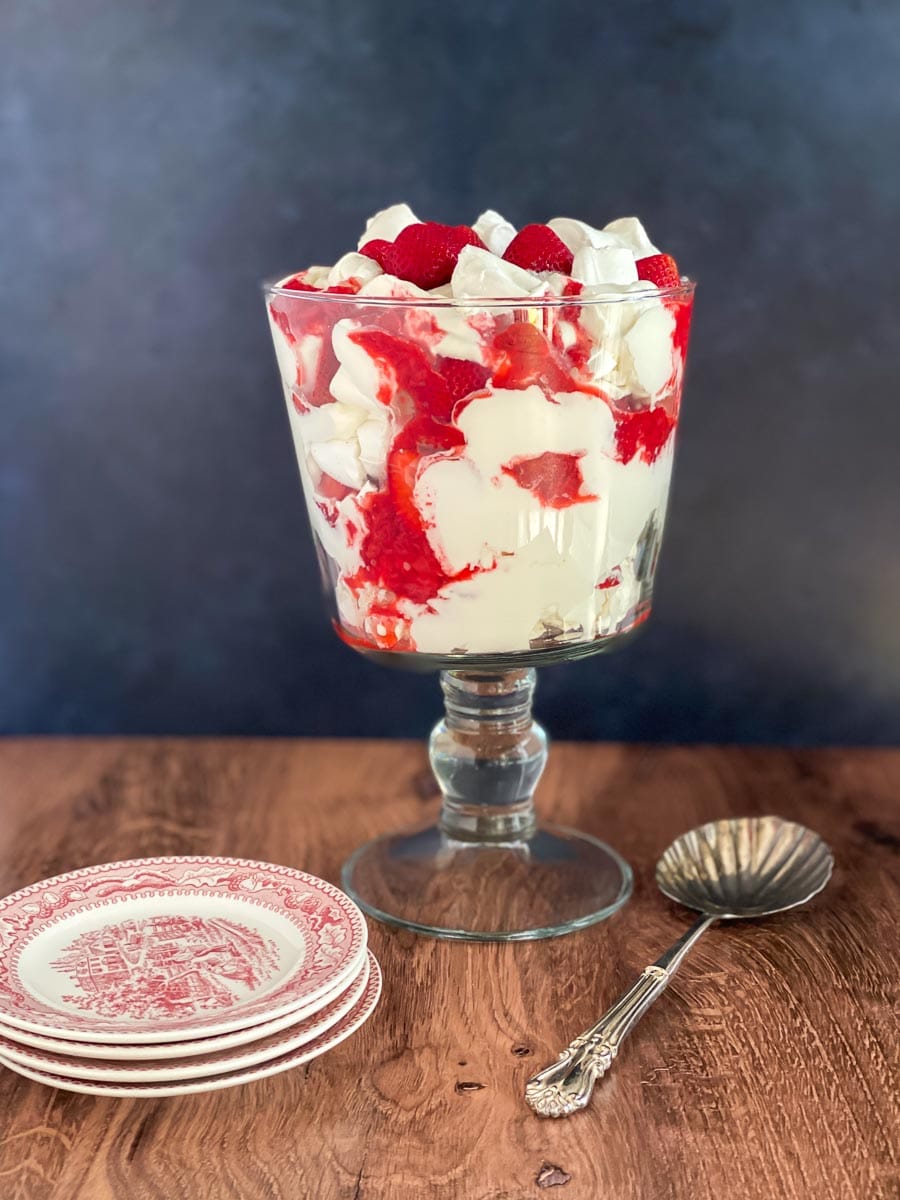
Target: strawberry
(660,269)
(425,254)
(555,479)
(461,376)
(378,249)
(524,356)
(402,465)
(538,248)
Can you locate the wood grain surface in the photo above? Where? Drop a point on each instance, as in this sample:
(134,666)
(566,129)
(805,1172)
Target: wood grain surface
(767,1072)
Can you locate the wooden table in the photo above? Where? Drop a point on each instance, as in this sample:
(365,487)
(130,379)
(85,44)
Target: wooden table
(764,1074)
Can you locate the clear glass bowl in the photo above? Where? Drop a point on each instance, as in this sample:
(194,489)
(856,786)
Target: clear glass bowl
(486,484)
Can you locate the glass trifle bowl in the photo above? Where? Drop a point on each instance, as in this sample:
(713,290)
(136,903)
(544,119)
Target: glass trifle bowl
(486,480)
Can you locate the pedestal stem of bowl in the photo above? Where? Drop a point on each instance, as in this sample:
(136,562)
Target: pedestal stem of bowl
(487,755)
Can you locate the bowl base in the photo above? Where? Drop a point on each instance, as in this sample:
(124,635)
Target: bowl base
(547,656)
(551,883)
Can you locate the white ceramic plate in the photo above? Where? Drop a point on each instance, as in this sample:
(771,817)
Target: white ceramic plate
(154,1051)
(169,949)
(349,1024)
(204,1064)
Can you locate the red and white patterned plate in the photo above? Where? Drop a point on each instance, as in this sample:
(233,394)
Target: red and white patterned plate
(347,1025)
(154,1051)
(170,949)
(216,1063)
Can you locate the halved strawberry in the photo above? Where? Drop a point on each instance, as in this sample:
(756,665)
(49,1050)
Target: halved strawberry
(376,249)
(554,478)
(425,254)
(401,482)
(524,356)
(538,248)
(462,376)
(660,269)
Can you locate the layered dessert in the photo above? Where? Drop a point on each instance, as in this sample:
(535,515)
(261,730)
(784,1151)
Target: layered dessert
(484,420)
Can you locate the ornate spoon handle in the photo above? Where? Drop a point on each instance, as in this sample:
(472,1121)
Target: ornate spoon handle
(566,1085)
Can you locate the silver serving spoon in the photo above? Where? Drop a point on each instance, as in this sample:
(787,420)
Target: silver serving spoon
(748,867)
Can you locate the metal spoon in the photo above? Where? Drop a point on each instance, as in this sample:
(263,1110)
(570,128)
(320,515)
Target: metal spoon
(748,867)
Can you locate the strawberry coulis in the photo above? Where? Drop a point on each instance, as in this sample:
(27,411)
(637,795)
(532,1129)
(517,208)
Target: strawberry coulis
(644,431)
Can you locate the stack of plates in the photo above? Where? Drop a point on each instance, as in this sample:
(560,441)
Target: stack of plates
(163,976)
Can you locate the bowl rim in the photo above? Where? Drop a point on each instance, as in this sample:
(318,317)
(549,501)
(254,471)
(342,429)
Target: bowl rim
(272,289)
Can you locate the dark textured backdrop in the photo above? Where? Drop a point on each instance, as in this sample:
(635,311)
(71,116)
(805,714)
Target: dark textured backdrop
(159,158)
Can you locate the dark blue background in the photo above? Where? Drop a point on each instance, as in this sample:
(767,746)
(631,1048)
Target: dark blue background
(160,158)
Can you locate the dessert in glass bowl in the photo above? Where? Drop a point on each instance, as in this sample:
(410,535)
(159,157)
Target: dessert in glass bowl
(484,420)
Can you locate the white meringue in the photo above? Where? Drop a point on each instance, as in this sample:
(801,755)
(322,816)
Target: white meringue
(577,234)
(649,342)
(340,460)
(353,266)
(358,379)
(495,231)
(387,223)
(481,275)
(604,264)
(632,234)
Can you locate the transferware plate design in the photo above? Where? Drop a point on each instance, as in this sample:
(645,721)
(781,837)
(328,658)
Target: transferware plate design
(169,949)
